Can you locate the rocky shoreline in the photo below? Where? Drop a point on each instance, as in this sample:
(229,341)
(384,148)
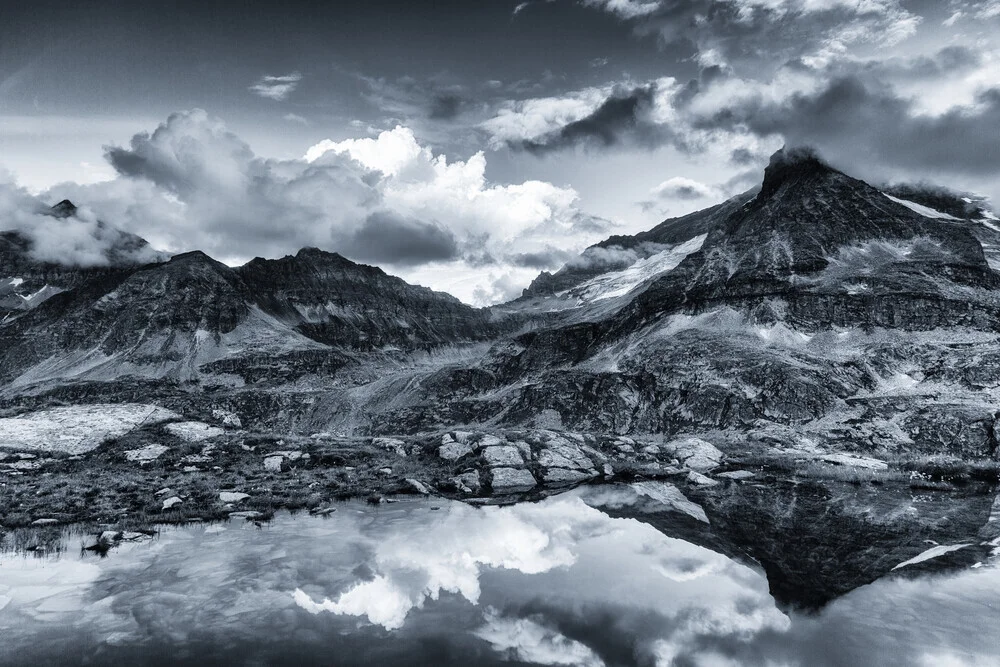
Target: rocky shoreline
(156,466)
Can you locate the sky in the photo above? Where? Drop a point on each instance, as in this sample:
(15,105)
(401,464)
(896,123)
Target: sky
(469,145)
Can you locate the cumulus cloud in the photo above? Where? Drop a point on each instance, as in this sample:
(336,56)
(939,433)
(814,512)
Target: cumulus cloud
(450,555)
(194,184)
(70,237)
(276,88)
(529,641)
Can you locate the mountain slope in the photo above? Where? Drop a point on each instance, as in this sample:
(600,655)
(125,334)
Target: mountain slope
(193,316)
(817,311)
(26,280)
(334,301)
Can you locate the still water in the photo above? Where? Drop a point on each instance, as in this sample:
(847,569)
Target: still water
(431,582)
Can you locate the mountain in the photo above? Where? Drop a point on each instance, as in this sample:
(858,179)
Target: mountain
(193,315)
(26,281)
(335,301)
(815,310)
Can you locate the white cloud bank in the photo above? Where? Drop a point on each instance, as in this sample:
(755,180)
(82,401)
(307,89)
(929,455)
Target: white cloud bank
(387,200)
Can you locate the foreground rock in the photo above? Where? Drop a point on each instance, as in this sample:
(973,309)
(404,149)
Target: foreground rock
(511,480)
(193,431)
(696,454)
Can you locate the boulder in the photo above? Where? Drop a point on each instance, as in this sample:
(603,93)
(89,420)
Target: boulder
(559,476)
(273,463)
(502,455)
(855,461)
(524,448)
(393,445)
(559,453)
(468,482)
(698,479)
(227,418)
(232,496)
(453,451)
(736,475)
(145,454)
(696,454)
(511,480)
(418,486)
(490,441)
(670,496)
(193,431)
(172,501)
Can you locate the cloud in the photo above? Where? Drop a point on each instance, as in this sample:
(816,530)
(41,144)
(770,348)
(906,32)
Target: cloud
(295,118)
(626,9)
(679,187)
(615,118)
(529,641)
(386,238)
(194,184)
(276,88)
(865,126)
(77,239)
(445,107)
(602,117)
(450,555)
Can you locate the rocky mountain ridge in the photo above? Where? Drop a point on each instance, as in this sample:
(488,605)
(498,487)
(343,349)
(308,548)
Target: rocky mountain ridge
(815,302)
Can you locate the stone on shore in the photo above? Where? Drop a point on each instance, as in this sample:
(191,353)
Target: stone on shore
(696,454)
(193,431)
(453,451)
(502,455)
(512,480)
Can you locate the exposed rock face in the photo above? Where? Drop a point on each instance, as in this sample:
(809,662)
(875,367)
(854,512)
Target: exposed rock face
(337,302)
(77,429)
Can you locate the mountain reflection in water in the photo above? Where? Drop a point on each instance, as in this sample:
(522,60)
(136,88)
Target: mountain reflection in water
(558,582)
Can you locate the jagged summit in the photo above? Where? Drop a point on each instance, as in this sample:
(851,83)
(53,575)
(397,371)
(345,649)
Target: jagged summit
(793,163)
(64,209)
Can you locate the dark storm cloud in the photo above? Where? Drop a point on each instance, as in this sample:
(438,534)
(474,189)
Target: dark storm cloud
(445,107)
(855,123)
(949,60)
(546,258)
(755,36)
(387,237)
(620,118)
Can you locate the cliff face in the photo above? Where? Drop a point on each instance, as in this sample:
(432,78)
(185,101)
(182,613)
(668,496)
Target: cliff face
(332,300)
(168,320)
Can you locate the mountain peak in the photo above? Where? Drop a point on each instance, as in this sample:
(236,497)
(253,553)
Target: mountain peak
(63,209)
(790,163)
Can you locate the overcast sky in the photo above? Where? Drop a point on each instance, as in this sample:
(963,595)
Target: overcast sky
(468,145)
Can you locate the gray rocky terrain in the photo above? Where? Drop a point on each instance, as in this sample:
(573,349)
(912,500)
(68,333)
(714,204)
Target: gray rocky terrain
(816,343)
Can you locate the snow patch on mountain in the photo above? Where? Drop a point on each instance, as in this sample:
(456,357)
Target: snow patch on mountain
(620,283)
(933,552)
(925,211)
(79,428)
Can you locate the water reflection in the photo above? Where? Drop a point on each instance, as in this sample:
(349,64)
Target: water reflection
(559,582)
